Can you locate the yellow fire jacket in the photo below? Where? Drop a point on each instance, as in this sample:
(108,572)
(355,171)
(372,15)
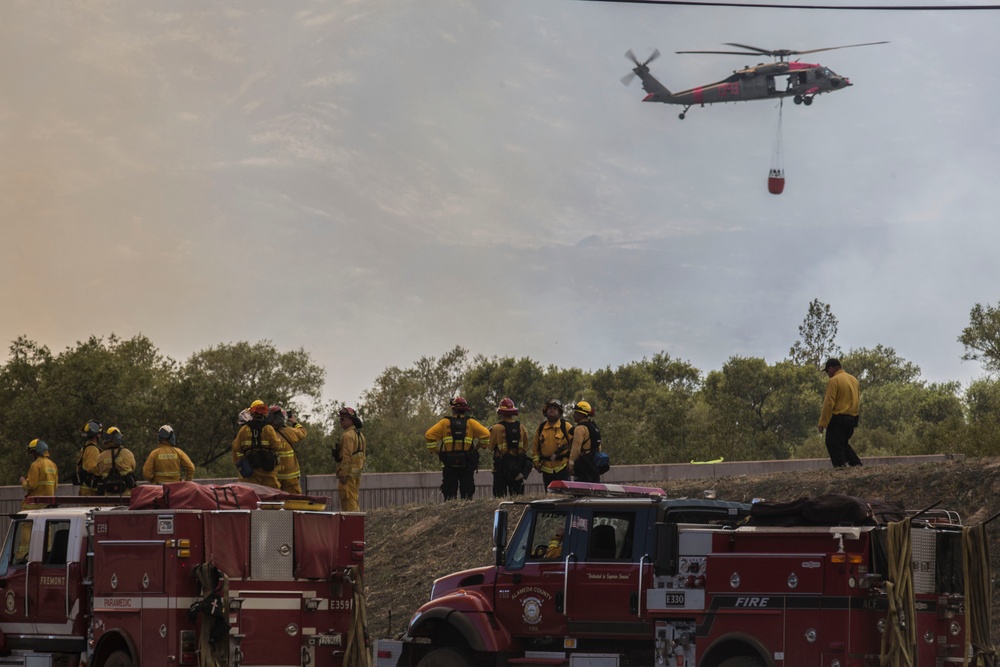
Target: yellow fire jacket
(166,463)
(552,446)
(439,437)
(42,478)
(124,461)
(288,463)
(352,453)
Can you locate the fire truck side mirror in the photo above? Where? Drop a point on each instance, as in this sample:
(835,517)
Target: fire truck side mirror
(500,536)
(665,561)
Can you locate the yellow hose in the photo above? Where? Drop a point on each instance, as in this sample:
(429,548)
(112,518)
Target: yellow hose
(899,642)
(978,611)
(356,651)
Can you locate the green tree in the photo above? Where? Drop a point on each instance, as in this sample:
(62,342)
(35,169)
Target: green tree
(982,337)
(762,411)
(817,335)
(403,404)
(878,366)
(119,382)
(646,405)
(489,380)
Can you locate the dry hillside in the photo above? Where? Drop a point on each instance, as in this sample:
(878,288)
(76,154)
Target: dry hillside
(409,546)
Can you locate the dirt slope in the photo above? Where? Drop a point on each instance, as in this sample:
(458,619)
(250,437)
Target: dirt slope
(409,546)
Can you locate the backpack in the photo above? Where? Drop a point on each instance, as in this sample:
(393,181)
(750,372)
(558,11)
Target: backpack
(257,455)
(115,484)
(599,461)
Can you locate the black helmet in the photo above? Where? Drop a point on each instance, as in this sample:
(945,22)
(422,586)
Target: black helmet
(553,403)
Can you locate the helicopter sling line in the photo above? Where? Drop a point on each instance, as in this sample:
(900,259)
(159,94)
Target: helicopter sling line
(776,177)
(771,5)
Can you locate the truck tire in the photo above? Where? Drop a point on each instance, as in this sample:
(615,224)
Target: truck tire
(741,661)
(446,657)
(119,659)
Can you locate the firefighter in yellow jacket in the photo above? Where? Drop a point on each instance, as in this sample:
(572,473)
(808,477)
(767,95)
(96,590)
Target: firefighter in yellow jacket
(86,462)
(115,466)
(456,441)
(43,475)
(289,433)
(586,443)
(167,463)
(253,449)
(510,446)
(553,441)
(350,457)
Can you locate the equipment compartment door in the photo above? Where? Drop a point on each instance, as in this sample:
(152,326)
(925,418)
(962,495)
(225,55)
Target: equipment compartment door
(606,595)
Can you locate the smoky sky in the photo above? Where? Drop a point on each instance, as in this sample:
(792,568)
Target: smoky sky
(379,181)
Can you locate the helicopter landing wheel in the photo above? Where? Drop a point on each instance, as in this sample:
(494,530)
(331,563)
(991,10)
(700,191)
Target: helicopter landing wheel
(681,115)
(797,99)
(808,101)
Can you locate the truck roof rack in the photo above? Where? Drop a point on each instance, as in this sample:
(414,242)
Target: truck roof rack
(594,489)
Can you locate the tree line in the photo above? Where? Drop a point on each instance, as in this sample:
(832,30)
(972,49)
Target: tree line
(654,410)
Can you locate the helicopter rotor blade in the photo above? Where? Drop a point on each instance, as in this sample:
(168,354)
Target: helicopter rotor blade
(652,56)
(628,78)
(728,53)
(832,48)
(755,49)
(631,56)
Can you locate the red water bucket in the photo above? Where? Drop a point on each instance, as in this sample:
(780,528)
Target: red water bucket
(775,184)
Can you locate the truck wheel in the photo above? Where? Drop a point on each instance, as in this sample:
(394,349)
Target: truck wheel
(446,657)
(119,659)
(741,661)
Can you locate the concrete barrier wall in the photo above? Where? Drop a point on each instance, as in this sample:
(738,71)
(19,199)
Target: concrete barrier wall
(402,488)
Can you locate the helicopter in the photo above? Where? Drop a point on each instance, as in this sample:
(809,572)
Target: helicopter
(803,81)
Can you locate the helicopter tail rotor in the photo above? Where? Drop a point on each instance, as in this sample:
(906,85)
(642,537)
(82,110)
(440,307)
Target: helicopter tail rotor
(642,67)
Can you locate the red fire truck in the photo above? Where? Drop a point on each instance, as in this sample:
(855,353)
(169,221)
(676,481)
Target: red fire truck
(111,586)
(605,575)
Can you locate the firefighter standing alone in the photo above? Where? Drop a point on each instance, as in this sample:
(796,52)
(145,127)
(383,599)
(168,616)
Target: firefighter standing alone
(456,441)
(168,462)
(349,454)
(253,449)
(509,443)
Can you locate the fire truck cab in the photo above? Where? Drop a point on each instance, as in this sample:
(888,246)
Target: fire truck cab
(110,586)
(606,576)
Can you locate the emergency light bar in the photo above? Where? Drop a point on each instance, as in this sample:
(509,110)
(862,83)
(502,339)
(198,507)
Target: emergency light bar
(604,490)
